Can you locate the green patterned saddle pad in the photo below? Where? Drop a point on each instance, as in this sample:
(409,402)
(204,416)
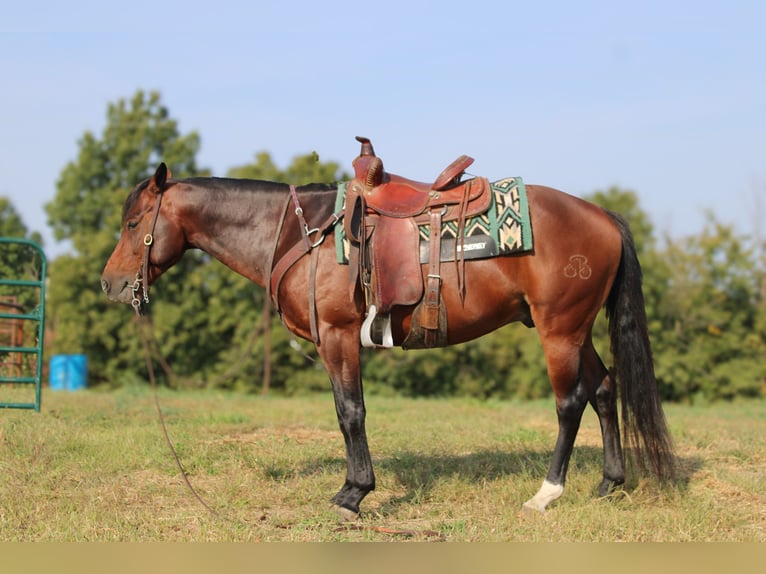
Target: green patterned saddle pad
(503,229)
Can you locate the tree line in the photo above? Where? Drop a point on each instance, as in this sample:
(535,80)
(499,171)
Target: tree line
(705,294)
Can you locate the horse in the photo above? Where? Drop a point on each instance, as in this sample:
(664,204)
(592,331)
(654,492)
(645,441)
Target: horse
(249,226)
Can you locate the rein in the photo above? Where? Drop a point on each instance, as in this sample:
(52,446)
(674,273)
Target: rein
(144,323)
(142,284)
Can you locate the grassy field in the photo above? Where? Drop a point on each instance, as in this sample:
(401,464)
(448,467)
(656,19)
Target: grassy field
(93,466)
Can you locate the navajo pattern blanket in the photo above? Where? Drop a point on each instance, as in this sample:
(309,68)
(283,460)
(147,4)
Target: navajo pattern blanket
(504,229)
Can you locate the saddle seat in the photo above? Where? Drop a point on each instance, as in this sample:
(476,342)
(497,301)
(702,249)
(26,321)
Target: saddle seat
(396,196)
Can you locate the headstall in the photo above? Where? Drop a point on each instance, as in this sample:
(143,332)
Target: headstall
(141,282)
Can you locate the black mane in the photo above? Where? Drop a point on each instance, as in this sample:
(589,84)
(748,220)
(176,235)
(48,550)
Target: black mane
(226,184)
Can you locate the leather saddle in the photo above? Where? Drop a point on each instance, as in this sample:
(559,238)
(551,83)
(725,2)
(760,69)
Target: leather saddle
(383,213)
(395,196)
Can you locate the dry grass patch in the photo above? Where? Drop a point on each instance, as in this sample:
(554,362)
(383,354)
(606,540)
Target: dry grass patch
(94,467)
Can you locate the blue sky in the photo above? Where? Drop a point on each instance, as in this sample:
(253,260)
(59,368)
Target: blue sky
(666,98)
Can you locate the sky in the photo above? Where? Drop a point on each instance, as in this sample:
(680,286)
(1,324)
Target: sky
(665,98)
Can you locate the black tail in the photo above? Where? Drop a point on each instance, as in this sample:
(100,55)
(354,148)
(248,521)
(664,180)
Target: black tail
(644,426)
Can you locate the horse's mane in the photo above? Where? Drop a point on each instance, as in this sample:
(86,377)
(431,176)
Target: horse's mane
(237,184)
(225,184)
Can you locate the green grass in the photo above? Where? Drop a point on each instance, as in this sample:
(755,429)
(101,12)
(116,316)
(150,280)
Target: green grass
(93,466)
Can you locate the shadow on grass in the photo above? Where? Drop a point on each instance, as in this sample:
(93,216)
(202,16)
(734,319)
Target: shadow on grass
(419,472)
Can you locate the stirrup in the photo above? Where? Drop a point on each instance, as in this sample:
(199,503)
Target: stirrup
(382,332)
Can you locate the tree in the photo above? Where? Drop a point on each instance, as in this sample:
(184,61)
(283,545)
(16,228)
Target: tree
(11,224)
(626,203)
(705,295)
(18,261)
(304,169)
(702,303)
(294,370)
(711,340)
(231,322)
(87,209)
(204,317)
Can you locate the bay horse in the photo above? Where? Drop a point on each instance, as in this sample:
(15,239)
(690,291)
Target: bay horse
(248,225)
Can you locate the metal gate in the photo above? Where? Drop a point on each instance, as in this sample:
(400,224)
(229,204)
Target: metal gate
(22,304)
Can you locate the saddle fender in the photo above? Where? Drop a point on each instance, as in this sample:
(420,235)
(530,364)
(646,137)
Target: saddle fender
(397,274)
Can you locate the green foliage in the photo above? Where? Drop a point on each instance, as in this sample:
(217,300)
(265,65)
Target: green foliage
(709,337)
(239,306)
(304,169)
(11,224)
(204,317)
(705,295)
(218,314)
(18,261)
(507,363)
(705,305)
(87,209)
(625,202)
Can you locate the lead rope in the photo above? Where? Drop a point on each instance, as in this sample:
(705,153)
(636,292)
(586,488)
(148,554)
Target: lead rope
(142,283)
(142,324)
(143,277)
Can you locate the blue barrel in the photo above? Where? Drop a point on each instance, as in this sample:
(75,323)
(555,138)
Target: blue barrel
(68,372)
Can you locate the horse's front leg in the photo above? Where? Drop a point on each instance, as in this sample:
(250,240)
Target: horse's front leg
(339,350)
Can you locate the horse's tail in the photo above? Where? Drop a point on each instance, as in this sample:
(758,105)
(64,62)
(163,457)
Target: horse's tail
(644,426)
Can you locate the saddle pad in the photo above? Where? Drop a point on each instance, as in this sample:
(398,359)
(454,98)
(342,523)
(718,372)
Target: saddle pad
(504,229)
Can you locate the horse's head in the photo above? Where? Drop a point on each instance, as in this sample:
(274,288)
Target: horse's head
(151,241)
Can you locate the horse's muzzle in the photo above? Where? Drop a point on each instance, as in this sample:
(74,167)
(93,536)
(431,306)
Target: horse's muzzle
(122,295)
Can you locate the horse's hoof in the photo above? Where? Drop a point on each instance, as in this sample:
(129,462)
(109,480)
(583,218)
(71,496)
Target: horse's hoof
(346,514)
(548,493)
(608,487)
(529,508)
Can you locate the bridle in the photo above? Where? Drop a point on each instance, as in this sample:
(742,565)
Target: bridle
(141,282)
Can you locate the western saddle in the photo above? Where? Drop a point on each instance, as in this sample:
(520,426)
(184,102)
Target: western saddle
(382,215)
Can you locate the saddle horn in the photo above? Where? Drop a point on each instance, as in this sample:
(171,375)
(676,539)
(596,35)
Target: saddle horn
(368,168)
(367,149)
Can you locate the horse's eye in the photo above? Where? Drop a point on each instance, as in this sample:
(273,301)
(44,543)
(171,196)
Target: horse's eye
(132,224)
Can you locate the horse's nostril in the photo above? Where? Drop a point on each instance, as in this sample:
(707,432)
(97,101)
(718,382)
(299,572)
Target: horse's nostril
(105,286)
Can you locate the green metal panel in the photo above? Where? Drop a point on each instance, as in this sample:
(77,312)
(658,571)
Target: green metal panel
(34,316)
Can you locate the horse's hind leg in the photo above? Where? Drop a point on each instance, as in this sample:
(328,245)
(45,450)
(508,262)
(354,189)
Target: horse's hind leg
(603,399)
(340,352)
(570,389)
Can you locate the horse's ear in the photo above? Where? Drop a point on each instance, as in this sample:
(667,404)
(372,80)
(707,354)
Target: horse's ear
(160,177)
